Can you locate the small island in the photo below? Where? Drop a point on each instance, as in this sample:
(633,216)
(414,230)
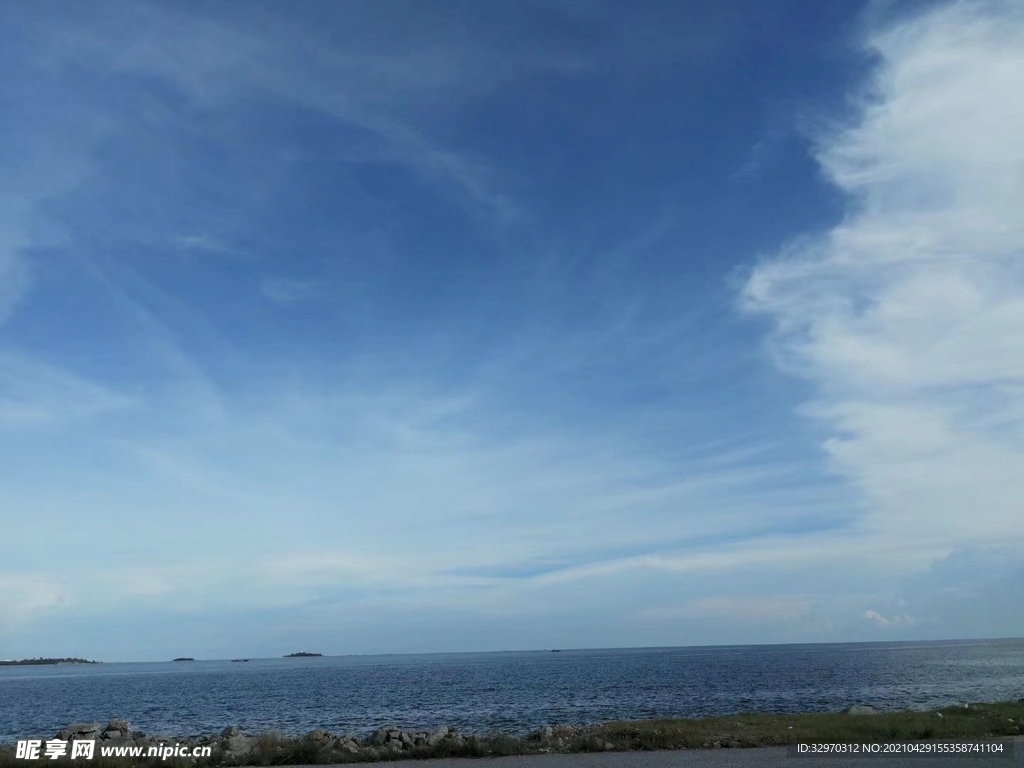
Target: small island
(184,658)
(41,661)
(301,655)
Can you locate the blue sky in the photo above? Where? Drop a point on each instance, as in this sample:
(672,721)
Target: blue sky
(390,326)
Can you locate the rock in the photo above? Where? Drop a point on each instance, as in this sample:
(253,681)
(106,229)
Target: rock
(86,730)
(608,746)
(546,732)
(378,737)
(939,715)
(138,734)
(119,725)
(231,730)
(348,746)
(238,745)
(860,709)
(435,737)
(112,735)
(320,735)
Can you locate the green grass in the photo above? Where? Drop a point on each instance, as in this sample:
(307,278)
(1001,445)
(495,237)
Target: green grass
(977,721)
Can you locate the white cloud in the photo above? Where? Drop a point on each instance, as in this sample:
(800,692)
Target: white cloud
(908,317)
(897,620)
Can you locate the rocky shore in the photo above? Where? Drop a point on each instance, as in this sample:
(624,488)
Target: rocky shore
(233,746)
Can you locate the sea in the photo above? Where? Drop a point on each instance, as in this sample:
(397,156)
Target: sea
(511,692)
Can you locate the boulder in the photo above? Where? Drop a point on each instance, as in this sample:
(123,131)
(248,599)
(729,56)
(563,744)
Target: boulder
(231,730)
(434,738)
(378,737)
(81,731)
(546,733)
(238,745)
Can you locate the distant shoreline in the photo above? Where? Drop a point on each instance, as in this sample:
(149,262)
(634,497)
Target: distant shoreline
(43,662)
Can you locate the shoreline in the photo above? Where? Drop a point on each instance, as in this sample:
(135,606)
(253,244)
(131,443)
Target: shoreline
(44,662)
(858,724)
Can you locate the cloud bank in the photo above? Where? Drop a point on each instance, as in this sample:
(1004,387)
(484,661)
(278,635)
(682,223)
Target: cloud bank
(908,317)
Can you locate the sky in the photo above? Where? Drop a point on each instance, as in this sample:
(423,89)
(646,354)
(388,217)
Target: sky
(384,326)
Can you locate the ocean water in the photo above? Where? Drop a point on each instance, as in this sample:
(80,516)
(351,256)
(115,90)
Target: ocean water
(512,692)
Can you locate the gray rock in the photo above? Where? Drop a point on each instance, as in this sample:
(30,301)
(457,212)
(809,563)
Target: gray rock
(112,735)
(119,725)
(378,737)
(860,709)
(82,728)
(546,732)
(434,738)
(238,745)
(231,730)
(348,746)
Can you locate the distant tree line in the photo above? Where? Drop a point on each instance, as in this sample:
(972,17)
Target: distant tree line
(29,662)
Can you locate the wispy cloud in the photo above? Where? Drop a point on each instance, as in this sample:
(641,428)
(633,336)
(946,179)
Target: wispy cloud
(33,393)
(759,608)
(282,290)
(892,621)
(546,408)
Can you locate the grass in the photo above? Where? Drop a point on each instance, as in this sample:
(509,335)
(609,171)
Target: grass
(977,721)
